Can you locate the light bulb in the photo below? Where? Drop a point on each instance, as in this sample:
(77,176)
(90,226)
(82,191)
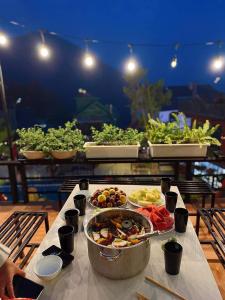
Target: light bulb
(4,40)
(173,63)
(89,61)
(217,64)
(44,52)
(131,66)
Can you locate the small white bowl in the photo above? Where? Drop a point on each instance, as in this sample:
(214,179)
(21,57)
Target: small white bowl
(48,267)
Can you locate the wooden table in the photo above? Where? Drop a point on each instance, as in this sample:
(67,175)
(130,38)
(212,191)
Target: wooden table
(79,281)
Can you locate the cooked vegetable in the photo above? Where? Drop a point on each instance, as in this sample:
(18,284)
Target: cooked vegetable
(96,236)
(117,232)
(104,232)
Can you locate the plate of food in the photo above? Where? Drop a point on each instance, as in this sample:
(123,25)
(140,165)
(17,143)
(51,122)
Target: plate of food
(108,198)
(159,216)
(146,196)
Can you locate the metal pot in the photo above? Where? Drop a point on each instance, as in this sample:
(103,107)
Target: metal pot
(123,262)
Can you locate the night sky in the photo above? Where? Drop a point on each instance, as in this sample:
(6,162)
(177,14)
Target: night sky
(150,21)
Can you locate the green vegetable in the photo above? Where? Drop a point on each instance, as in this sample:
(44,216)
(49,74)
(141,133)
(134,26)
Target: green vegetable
(158,132)
(31,139)
(65,138)
(112,135)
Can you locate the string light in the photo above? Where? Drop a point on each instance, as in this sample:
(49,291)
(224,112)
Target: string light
(43,50)
(131,65)
(4,40)
(89,60)
(173,63)
(217,64)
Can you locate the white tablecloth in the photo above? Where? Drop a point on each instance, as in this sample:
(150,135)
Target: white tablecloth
(78,280)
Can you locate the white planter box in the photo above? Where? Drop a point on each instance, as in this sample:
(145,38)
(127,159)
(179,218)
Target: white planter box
(102,151)
(177,150)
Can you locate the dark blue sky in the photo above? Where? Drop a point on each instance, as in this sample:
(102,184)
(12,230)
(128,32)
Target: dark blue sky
(154,21)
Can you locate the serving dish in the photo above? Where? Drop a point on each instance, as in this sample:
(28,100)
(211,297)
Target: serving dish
(118,263)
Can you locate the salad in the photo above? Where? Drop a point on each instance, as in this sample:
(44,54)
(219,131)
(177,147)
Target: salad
(117,232)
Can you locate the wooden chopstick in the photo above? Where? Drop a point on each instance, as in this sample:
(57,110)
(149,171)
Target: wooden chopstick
(164,287)
(141,297)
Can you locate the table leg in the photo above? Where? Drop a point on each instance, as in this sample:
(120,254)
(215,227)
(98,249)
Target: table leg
(13,183)
(18,236)
(59,200)
(46,223)
(197,223)
(24,183)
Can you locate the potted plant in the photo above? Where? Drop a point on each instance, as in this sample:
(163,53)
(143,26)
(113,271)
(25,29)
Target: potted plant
(112,142)
(64,142)
(31,142)
(173,140)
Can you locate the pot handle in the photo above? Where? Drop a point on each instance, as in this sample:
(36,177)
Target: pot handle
(110,257)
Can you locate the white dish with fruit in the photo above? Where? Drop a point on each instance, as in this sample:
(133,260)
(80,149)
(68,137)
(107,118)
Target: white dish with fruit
(146,196)
(108,198)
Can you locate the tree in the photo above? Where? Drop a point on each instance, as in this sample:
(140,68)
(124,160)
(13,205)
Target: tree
(145,97)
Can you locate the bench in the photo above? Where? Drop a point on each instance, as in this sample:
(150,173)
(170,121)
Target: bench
(18,230)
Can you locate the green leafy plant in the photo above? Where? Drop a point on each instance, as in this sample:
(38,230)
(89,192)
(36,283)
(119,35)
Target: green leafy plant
(67,138)
(158,132)
(112,135)
(31,139)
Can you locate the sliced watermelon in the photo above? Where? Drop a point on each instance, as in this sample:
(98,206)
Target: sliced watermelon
(159,216)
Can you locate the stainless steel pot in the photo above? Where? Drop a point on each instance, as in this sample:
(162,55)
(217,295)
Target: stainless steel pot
(123,262)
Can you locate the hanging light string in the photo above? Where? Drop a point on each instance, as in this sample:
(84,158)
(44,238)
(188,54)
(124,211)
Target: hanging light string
(131,64)
(120,42)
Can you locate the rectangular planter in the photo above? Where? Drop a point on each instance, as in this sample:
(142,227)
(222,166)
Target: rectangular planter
(177,150)
(112,151)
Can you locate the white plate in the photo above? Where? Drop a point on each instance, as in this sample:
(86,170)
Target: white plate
(162,198)
(138,205)
(96,207)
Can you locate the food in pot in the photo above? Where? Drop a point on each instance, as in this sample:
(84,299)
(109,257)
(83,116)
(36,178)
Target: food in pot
(159,216)
(146,196)
(117,232)
(108,197)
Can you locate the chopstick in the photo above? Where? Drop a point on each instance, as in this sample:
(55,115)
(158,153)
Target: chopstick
(164,287)
(141,297)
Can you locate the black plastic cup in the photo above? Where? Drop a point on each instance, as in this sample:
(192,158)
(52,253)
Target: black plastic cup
(80,203)
(66,238)
(83,184)
(72,218)
(181,219)
(172,255)
(171,201)
(165,185)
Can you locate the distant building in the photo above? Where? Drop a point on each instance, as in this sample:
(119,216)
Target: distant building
(90,111)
